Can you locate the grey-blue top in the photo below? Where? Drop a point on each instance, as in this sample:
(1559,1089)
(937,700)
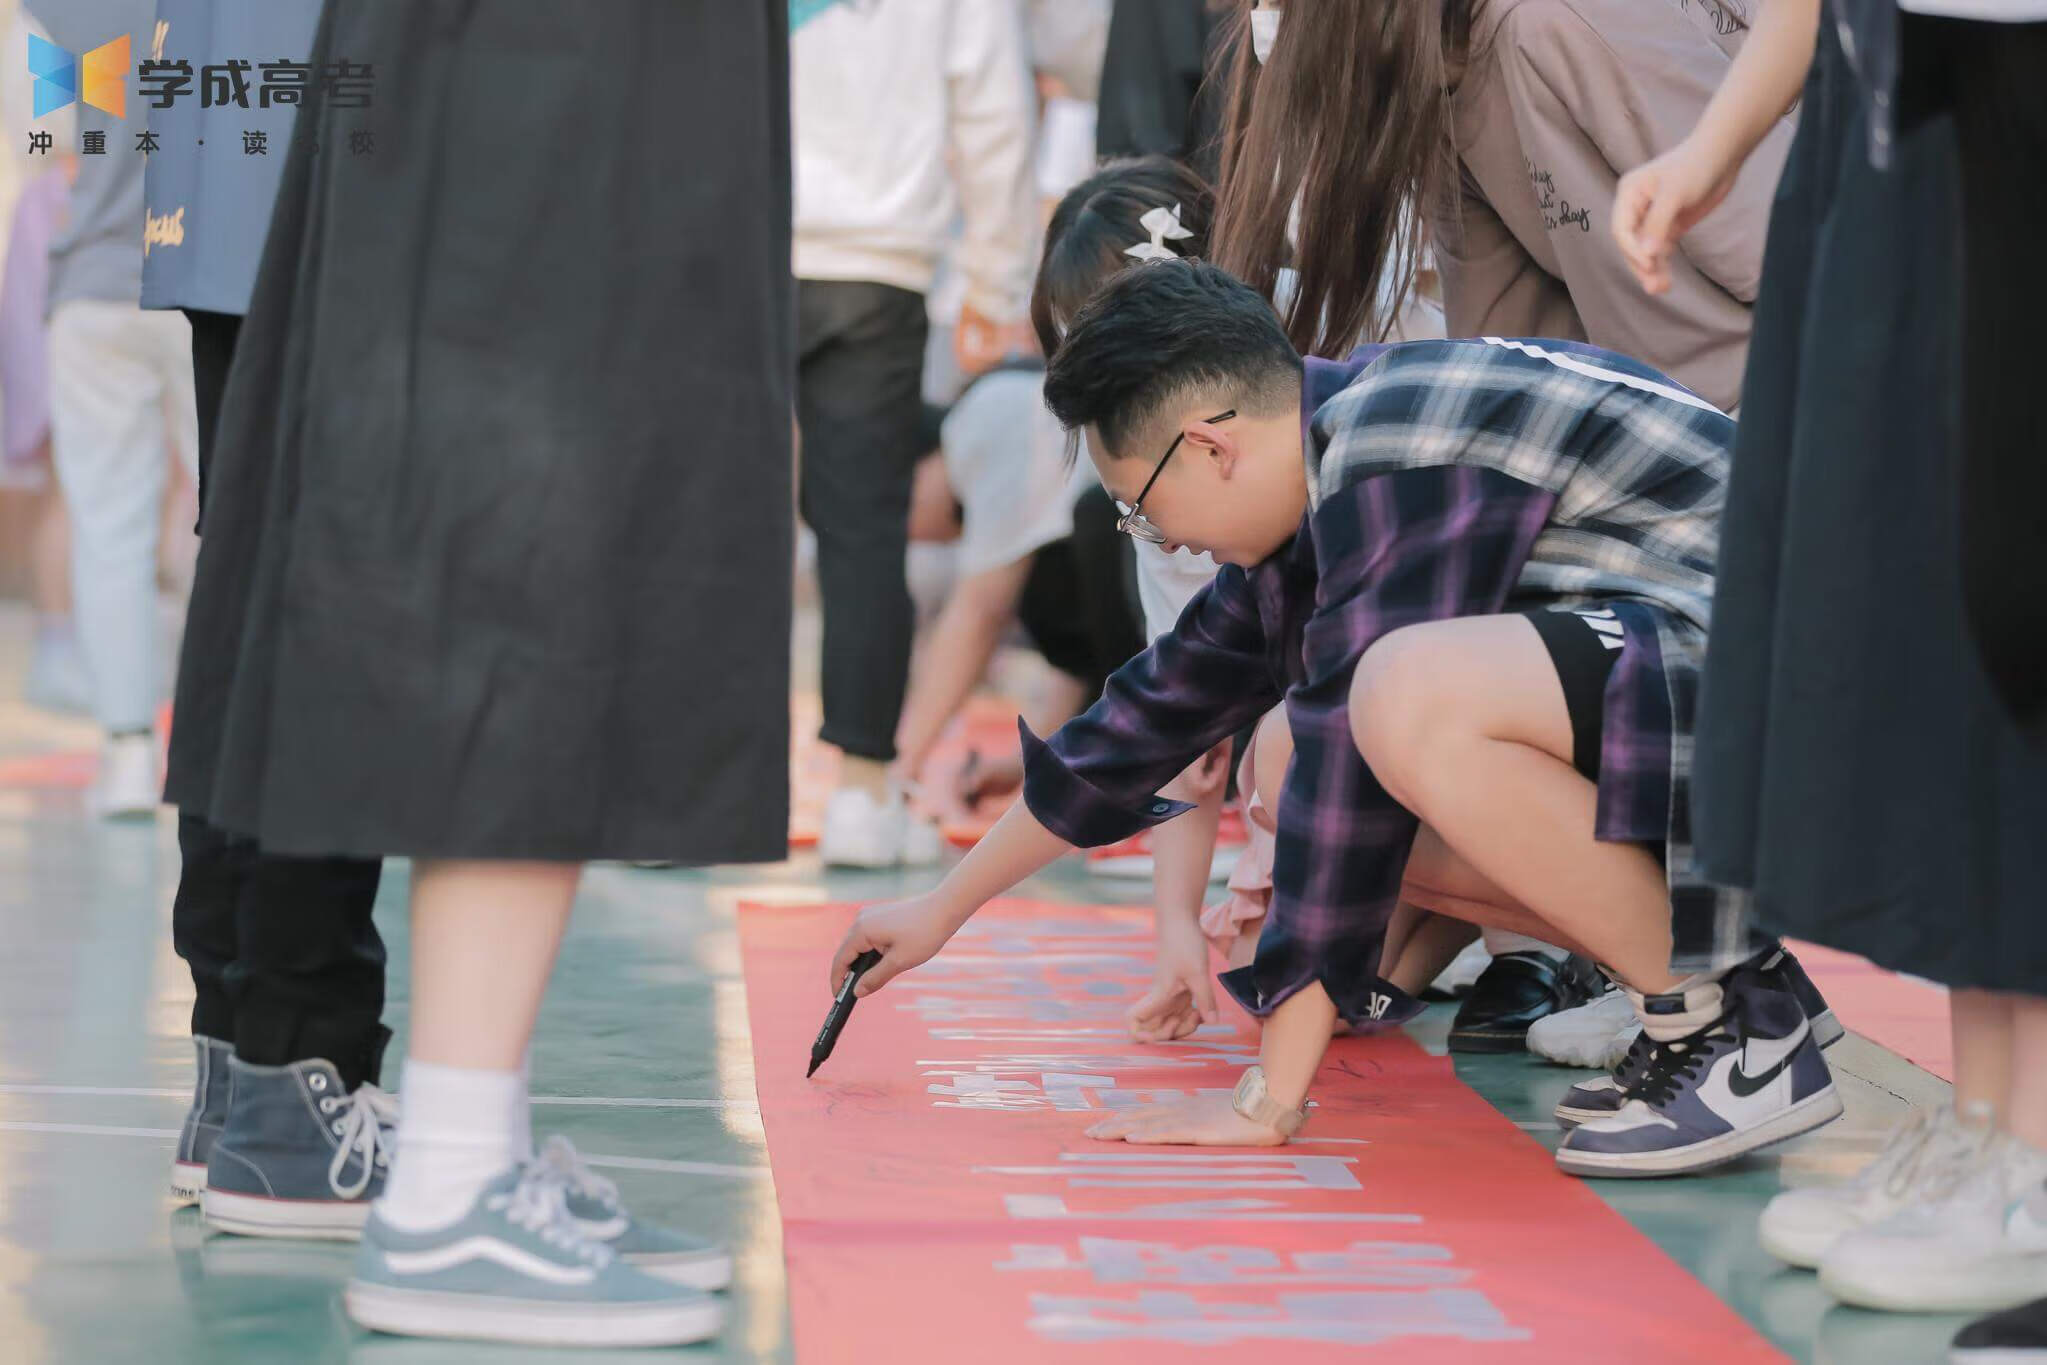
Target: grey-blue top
(209,199)
(97,254)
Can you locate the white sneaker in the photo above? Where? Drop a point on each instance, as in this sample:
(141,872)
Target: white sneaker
(1980,1249)
(860,831)
(128,785)
(1924,1156)
(1594,1035)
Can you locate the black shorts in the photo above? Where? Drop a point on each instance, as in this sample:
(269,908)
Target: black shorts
(1583,644)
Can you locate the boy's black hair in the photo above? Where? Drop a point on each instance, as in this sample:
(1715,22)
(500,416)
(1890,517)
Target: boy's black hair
(1097,223)
(1156,332)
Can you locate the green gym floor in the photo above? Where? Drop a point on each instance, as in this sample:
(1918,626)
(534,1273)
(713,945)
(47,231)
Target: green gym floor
(643,1058)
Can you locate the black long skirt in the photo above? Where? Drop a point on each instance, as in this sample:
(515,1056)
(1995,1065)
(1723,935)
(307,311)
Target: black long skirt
(497,536)
(1854,766)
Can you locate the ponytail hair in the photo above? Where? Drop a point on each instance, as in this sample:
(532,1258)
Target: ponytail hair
(1095,227)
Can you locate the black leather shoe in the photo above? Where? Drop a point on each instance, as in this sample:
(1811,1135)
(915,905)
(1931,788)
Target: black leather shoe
(1514,992)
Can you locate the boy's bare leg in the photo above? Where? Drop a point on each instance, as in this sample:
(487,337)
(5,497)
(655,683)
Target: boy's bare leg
(1429,943)
(1440,882)
(1464,723)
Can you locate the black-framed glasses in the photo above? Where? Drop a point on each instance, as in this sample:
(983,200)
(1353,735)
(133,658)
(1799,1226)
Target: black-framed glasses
(1133,522)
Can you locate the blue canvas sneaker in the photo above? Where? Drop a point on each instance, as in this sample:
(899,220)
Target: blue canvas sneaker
(299,1156)
(517,1268)
(203,1120)
(1749,1076)
(594,1204)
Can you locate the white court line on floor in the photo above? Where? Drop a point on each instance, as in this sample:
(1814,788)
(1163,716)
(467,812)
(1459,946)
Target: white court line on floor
(636,1102)
(647,1163)
(587,1101)
(624,1163)
(99,1129)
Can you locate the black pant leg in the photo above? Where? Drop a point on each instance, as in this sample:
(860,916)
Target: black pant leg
(204,927)
(213,351)
(286,963)
(859,407)
(309,979)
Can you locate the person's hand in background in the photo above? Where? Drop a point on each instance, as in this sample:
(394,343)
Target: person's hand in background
(978,343)
(1659,202)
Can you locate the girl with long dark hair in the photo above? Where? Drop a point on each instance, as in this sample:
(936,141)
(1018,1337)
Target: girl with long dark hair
(1490,136)
(1490,133)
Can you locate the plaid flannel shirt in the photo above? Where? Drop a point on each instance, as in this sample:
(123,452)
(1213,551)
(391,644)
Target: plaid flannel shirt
(1446,479)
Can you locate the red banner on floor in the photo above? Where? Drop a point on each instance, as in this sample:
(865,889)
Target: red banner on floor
(940,1202)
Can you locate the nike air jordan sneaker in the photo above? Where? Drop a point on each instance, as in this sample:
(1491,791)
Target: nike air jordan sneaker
(1750,1074)
(1603,1096)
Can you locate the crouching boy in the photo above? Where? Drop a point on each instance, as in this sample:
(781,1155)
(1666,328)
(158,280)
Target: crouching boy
(1478,574)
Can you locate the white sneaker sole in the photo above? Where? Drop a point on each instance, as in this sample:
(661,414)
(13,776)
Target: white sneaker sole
(530,1322)
(1979,1288)
(1819,1108)
(255,1215)
(708,1273)
(188,1181)
(1804,1250)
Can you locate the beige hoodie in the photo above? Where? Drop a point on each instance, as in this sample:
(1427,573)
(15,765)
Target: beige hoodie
(1562,98)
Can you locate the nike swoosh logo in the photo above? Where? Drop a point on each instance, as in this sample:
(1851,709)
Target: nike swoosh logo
(1744,1085)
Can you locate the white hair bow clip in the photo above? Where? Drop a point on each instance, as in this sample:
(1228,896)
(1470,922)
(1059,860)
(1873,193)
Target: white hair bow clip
(1164,226)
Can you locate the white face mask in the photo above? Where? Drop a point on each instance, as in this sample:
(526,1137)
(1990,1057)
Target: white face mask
(1264,32)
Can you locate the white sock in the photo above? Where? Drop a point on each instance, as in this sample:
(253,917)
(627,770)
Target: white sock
(458,1130)
(522,1119)
(1498,941)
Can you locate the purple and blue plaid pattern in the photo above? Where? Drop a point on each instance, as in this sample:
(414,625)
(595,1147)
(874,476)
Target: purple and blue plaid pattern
(1446,479)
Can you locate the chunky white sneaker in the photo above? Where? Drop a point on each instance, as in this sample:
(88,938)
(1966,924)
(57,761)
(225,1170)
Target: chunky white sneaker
(860,831)
(1980,1249)
(1595,1035)
(128,786)
(1925,1155)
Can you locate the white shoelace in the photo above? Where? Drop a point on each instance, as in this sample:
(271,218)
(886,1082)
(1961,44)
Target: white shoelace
(367,1130)
(539,1203)
(560,1156)
(1972,1173)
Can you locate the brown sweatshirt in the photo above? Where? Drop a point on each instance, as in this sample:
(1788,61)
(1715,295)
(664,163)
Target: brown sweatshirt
(1560,99)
